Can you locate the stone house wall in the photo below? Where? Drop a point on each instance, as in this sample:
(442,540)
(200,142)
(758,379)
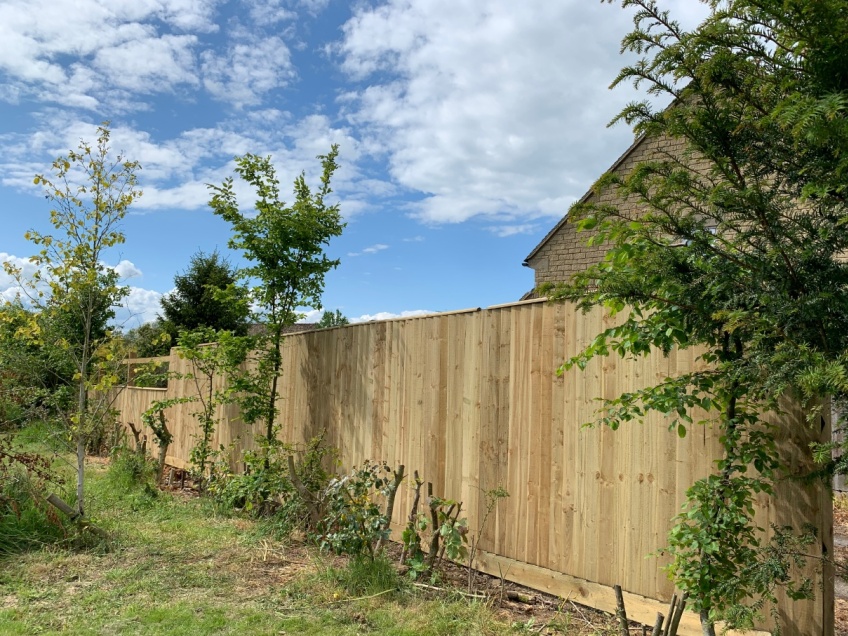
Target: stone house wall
(564,252)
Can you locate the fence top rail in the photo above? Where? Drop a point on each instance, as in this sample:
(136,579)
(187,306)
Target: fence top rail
(147,360)
(519,303)
(435,314)
(144,388)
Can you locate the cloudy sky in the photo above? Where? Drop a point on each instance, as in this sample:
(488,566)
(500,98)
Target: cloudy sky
(466,128)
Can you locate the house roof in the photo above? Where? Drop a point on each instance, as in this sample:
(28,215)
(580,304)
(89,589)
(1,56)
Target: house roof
(583,199)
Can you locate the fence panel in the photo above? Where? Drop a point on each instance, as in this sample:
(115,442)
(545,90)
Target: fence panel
(472,401)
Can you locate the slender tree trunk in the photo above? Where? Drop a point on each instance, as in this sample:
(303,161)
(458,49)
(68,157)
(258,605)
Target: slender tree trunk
(707,627)
(163,438)
(272,400)
(80,512)
(82,405)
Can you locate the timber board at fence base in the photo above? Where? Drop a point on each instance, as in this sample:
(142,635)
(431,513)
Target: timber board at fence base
(176,462)
(639,608)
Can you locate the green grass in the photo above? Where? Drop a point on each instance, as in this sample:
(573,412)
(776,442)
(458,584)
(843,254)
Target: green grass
(42,436)
(174,567)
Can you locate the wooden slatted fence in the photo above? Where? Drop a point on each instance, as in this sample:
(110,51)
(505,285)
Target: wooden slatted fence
(472,401)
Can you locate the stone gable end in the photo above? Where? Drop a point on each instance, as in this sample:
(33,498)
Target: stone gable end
(564,251)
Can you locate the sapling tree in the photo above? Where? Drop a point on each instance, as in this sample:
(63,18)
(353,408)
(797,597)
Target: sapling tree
(72,294)
(738,251)
(284,245)
(213,358)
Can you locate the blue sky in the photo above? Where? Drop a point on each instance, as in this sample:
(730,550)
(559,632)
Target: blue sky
(466,128)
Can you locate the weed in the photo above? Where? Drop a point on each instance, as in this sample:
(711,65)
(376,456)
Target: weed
(27,522)
(353,522)
(364,576)
(129,470)
(43,435)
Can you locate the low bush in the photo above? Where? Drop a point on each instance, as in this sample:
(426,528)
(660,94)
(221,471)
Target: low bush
(260,491)
(353,522)
(266,489)
(130,471)
(27,521)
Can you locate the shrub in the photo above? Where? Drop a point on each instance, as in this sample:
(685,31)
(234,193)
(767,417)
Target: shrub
(27,522)
(260,491)
(353,522)
(131,470)
(266,489)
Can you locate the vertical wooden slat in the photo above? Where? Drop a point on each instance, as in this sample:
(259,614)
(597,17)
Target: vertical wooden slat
(544,374)
(470,417)
(505,541)
(487,394)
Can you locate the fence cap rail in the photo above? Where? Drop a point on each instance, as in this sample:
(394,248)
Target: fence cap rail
(519,303)
(144,388)
(162,359)
(433,314)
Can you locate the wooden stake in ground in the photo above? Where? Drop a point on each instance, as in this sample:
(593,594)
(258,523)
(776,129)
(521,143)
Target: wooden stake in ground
(390,503)
(620,611)
(413,514)
(672,607)
(678,614)
(57,502)
(658,625)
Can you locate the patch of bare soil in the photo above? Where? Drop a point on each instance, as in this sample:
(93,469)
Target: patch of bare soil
(840,555)
(520,606)
(841,616)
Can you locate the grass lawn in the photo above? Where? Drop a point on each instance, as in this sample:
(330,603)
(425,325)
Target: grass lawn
(175,567)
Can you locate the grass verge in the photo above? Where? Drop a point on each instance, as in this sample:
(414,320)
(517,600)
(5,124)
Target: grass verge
(175,568)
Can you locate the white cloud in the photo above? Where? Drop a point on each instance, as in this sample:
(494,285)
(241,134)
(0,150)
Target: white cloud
(148,63)
(414,239)
(139,307)
(11,286)
(494,109)
(176,170)
(25,265)
(387,315)
(267,12)
(249,68)
(85,53)
(127,269)
(512,230)
(311,316)
(313,6)
(373,249)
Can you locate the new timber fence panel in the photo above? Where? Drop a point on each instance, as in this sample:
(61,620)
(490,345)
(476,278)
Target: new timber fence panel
(472,401)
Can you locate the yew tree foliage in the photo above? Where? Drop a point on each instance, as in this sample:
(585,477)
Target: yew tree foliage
(284,245)
(738,249)
(197,302)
